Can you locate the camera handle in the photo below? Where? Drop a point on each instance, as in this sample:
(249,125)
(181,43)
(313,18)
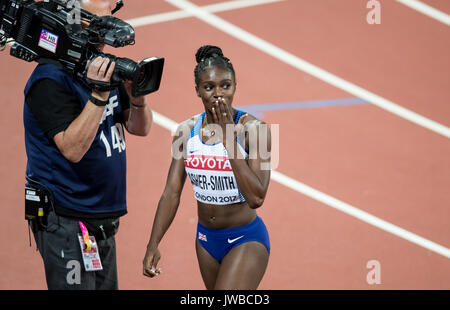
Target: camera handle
(119,5)
(95,84)
(99,85)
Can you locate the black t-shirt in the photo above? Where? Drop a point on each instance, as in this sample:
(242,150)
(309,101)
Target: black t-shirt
(55,108)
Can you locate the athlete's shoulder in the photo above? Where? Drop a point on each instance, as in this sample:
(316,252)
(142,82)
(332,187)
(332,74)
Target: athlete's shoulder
(184,128)
(183,132)
(253,127)
(248,120)
(189,123)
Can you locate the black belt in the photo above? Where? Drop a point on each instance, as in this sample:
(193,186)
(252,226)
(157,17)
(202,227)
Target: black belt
(102,229)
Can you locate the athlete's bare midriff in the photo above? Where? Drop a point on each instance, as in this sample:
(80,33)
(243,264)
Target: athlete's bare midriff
(225,216)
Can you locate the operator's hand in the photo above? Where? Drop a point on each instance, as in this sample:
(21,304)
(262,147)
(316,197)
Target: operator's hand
(98,70)
(137,101)
(151,259)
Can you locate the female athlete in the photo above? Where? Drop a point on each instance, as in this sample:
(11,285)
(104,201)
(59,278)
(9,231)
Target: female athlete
(219,150)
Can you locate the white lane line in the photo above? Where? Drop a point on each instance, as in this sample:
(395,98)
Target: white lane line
(328,200)
(427,10)
(309,68)
(359,214)
(213,8)
(164,122)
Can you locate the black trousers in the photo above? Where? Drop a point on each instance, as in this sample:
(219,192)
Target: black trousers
(63,263)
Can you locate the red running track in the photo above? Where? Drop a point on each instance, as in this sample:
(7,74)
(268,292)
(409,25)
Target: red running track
(362,155)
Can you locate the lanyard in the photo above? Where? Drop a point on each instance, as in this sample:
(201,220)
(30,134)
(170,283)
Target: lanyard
(85,233)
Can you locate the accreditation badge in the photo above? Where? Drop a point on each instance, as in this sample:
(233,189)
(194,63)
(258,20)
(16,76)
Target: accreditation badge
(91,256)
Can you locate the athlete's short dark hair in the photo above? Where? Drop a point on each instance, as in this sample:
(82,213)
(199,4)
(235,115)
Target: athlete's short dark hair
(210,56)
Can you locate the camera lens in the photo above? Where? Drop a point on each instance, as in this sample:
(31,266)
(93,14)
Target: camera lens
(145,75)
(141,76)
(148,76)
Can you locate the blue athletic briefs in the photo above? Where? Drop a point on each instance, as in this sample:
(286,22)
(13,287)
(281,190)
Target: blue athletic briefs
(218,242)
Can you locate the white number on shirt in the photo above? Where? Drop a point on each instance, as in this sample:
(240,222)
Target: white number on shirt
(117,137)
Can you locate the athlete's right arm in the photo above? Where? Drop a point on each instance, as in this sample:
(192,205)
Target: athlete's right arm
(76,140)
(169,201)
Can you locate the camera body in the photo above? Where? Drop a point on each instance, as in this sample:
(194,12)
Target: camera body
(51,31)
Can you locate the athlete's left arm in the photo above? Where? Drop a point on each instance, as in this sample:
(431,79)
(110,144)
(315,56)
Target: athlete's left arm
(253,176)
(138,118)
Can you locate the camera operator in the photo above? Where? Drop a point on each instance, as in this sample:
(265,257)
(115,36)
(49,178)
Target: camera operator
(76,152)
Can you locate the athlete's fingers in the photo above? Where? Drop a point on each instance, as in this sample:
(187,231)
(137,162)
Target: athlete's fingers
(241,121)
(146,273)
(214,113)
(227,110)
(155,272)
(222,101)
(147,262)
(243,118)
(150,262)
(220,112)
(224,112)
(149,271)
(152,272)
(154,264)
